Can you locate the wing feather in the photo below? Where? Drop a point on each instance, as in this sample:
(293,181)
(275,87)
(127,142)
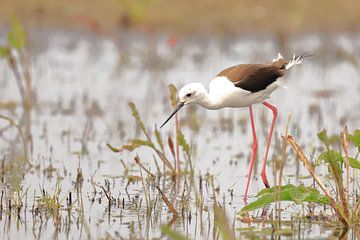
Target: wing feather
(254,77)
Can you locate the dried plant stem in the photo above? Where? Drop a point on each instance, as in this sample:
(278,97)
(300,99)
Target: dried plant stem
(283,152)
(81,214)
(220,219)
(341,192)
(177,128)
(16,72)
(169,205)
(147,197)
(25,91)
(1,204)
(27,77)
(281,167)
(172,149)
(159,153)
(137,160)
(345,145)
(135,113)
(2,171)
(12,123)
(311,170)
(357,210)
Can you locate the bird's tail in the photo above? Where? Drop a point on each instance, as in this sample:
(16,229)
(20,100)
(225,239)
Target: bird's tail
(296,60)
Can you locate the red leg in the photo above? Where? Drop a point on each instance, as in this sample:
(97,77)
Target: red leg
(253,152)
(263,171)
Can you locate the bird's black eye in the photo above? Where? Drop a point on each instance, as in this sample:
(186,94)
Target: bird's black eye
(188,95)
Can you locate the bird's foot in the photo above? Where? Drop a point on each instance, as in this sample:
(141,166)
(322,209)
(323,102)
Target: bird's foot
(264,179)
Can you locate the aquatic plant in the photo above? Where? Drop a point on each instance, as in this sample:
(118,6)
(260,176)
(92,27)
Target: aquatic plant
(15,53)
(158,145)
(336,162)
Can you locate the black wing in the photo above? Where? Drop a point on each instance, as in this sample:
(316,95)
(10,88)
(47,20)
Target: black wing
(259,79)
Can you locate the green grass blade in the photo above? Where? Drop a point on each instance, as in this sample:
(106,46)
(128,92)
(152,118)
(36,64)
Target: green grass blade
(136,115)
(182,142)
(131,146)
(159,139)
(173,90)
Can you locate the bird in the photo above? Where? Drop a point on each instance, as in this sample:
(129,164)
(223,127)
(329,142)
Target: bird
(240,86)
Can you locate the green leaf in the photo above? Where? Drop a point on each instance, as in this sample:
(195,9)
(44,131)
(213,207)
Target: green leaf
(114,149)
(333,158)
(323,137)
(354,163)
(355,138)
(131,146)
(136,143)
(272,190)
(260,203)
(172,90)
(159,139)
(17,36)
(136,115)
(334,139)
(297,194)
(182,142)
(165,229)
(4,51)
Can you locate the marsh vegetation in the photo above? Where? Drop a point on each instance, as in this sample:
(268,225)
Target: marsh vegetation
(82,155)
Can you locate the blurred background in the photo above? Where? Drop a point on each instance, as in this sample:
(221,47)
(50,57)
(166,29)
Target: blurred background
(69,68)
(187,17)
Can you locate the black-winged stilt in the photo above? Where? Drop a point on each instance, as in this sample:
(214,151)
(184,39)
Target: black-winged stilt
(241,86)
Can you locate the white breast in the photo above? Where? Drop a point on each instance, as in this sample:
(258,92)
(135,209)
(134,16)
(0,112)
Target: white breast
(226,94)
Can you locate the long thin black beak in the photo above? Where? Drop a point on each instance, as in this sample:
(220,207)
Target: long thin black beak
(179,106)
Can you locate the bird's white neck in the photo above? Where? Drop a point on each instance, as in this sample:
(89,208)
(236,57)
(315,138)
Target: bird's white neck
(208,101)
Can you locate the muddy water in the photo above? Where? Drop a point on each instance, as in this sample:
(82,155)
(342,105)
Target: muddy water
(82,84)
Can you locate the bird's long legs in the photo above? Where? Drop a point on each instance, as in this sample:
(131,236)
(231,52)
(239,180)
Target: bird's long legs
(254,147)
(253,153)
(263,170)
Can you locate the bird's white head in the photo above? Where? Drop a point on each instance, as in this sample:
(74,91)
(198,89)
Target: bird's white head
(192,93)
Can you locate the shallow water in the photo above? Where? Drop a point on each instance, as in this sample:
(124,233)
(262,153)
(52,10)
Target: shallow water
(83,83)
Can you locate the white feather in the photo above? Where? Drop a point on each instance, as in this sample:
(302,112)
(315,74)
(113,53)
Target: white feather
(294,61)
(278,58)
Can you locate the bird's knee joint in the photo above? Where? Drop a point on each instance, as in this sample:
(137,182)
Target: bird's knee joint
(275,111)
(255,145)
